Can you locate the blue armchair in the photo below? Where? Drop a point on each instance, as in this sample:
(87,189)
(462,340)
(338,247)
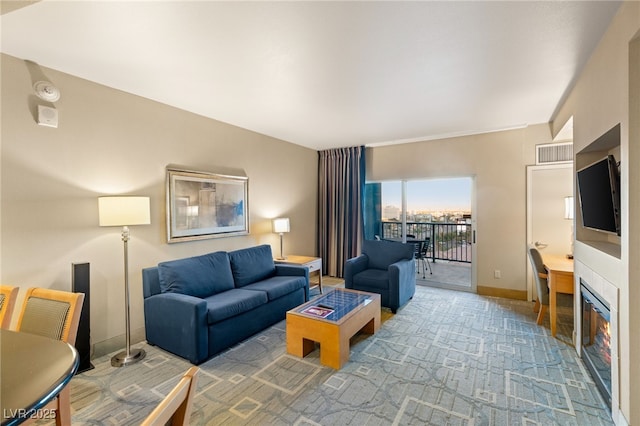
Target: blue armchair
(386,268)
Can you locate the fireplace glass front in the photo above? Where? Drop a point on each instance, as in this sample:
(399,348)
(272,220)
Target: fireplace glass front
(596,350)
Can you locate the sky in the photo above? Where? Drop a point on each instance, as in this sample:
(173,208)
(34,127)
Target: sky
(432,194)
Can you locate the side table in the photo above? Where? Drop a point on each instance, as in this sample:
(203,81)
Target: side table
(314,264)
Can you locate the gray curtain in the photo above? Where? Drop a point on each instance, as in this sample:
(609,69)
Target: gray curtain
(341,180)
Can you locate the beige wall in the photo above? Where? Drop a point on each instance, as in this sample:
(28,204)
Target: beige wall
(498,163)
(110,142)
(600,100)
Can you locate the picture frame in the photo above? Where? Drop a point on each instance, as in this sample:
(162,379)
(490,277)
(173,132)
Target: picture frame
(203,205)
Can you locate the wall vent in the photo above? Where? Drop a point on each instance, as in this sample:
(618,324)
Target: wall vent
(552,153)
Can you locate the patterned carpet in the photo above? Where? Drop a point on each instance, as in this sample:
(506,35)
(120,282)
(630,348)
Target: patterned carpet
(446,358)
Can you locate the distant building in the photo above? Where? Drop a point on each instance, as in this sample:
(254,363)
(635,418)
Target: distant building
(390,212)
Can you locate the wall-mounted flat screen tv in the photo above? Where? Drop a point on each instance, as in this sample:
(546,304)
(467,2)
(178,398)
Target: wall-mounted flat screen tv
(599,192)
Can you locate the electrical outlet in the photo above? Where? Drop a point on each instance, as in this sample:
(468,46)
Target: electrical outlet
(497,274)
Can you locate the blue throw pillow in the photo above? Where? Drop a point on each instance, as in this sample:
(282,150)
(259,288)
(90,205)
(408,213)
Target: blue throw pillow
(252,264)
(199,276)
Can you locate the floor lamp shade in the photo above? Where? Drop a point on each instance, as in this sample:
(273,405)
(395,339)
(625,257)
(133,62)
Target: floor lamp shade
(125,211)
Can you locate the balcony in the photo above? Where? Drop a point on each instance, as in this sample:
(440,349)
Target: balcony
(449,241)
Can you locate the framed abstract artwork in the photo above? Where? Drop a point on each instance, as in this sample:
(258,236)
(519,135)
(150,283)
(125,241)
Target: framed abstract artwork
(205,205)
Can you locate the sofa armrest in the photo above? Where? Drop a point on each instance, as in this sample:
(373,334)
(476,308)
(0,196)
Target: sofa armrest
(150,281)
(354,266)
(402,280)
(178,323)
(292,270)
(295,271)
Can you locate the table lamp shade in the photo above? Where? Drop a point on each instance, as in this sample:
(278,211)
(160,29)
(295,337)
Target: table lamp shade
(124,211)
(281,225)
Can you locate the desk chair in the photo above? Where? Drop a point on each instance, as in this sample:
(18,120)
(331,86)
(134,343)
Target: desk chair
(8,295)
(540,278)
(54,314)
(175,408)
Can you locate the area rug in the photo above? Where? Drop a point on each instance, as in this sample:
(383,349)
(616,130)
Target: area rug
(446,358)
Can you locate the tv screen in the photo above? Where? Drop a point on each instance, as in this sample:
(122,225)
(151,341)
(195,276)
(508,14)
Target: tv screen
(599,192)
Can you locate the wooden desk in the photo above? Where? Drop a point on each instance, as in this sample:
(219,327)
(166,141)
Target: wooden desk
(314,264)
(34,369)
(560,280)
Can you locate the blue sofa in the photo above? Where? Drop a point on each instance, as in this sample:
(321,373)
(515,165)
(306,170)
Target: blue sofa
(386,268)
(199,306)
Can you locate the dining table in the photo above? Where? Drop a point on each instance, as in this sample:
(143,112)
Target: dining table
(560,280)
(33,370)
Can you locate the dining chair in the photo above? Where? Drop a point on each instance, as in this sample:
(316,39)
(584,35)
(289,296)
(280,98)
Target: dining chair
(8,295)
(540,278)
(54,314)
(175,408)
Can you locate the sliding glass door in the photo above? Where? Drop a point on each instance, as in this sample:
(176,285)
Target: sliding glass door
(437,211)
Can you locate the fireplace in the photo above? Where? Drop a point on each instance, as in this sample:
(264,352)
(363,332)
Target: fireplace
(596,339)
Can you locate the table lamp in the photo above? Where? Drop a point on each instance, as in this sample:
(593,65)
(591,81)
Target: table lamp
(125,211)
(280,226)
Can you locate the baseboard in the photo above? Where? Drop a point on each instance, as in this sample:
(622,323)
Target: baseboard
(117,343)
(502,292)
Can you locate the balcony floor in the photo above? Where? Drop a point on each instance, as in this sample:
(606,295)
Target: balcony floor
(446,274)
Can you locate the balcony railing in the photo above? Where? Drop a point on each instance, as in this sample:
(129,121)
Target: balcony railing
(449,241)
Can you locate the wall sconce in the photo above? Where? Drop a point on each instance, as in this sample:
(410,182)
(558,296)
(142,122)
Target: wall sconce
(568,207)
(280,226)
(569,214)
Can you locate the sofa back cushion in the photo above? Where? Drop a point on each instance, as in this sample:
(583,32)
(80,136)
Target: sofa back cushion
(252,264)
(381,254)
(199,276)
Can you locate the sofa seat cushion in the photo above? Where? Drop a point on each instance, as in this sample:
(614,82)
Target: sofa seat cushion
(278,286)
(233,302)
(252,264)
(372,278)
(199,276)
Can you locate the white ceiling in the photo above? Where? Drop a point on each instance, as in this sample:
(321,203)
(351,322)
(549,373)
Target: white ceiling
(325,74)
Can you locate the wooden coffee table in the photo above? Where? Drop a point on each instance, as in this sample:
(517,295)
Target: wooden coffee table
(331,320)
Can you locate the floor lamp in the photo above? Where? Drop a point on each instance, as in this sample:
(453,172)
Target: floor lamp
(125,211)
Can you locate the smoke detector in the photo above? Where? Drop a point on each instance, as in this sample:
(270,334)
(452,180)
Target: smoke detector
(46,91)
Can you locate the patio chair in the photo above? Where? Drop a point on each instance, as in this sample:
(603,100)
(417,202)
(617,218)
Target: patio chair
(422,248)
